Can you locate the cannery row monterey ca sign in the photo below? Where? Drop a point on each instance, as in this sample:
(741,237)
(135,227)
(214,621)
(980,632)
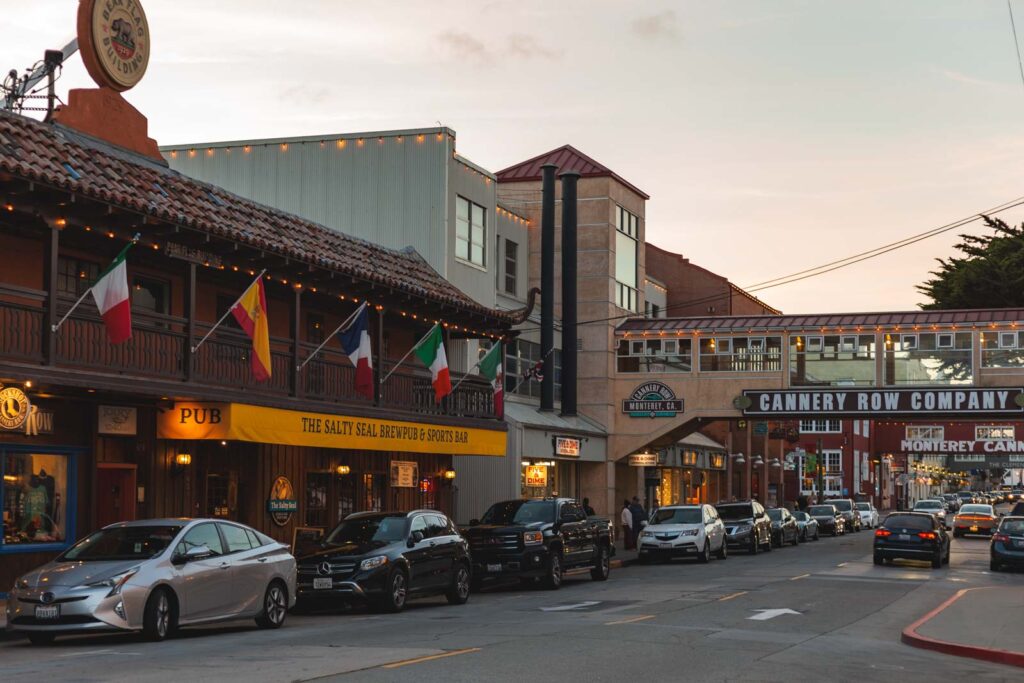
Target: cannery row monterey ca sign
(873,402)
(652,399)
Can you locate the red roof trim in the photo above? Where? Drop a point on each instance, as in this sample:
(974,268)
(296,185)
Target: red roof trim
(567,158)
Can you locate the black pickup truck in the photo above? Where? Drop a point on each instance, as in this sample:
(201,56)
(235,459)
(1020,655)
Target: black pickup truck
(538,539)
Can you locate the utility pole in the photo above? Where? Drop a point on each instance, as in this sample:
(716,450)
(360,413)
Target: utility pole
(821,473)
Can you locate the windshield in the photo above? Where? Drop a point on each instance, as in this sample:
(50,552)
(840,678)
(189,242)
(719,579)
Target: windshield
(520,512)
(122,543)
(821,510)
(800,516)
(775,515)
(375,531)
(677,516)
(842,505)
(908,522)
(734,512)
(977,509)
(866,507)
(927,505)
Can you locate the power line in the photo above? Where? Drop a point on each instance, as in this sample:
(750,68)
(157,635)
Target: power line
(1016,43)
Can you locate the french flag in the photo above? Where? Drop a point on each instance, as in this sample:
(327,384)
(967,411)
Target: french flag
(355,340)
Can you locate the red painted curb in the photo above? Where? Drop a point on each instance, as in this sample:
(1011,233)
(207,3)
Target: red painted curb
(911,637)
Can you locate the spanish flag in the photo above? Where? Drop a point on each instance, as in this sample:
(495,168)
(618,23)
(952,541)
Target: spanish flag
(251,313)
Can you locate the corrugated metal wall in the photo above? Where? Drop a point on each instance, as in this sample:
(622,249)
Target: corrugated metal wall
(484,481)
(388,189)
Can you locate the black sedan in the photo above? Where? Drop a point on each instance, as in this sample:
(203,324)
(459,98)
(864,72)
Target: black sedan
(830,520)
(807,525)
(385,558)
(1007,548)
(784,527)
(912,536)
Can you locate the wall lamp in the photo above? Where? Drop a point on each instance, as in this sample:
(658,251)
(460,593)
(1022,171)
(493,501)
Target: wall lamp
(181,461)
(449,474)
(342,470)
(738,458)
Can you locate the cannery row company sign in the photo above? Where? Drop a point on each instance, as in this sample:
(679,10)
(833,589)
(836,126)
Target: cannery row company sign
(873,402)
(652,399)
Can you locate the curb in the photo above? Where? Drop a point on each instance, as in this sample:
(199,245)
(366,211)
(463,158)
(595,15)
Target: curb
(911,637)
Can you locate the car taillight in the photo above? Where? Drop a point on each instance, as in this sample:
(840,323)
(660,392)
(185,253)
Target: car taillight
(882,533)
(929,535)
(1001,537)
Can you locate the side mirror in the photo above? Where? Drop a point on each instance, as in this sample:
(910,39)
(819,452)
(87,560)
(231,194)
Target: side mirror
(198,552)
(474,522)
(415,538)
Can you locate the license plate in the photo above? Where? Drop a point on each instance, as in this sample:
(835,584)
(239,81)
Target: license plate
(1018,544)
(48,612)
(974,528)
(902,537)
(494,567)
(319,584)
(665,545)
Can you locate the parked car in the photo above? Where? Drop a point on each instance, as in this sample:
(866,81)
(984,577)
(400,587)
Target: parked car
(913,536)
(153,576)
(868,514)
(784,528)
(933,507)
(849,512)
(386,558)
(684,531)
(1007,547)
(830,520)
(976,518)
(531,539)
(746,525)
(807,525)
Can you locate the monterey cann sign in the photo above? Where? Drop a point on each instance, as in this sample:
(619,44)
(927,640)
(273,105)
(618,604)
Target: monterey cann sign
(883,402)
(652,399)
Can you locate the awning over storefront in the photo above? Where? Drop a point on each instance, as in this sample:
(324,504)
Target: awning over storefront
(243,422)
(544,432)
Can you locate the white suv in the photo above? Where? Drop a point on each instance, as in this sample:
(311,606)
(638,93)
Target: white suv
(684,530)
(868,515)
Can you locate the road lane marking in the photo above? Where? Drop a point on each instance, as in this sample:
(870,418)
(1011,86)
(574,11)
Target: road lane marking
(731,596)
(842,564)
(766,614)
(428,658)
(630,621)
(802,576)
(565,608)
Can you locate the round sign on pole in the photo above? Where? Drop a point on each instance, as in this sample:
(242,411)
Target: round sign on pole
(113,37)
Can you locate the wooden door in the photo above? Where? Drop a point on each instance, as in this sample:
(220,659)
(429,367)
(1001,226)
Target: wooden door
(115,494)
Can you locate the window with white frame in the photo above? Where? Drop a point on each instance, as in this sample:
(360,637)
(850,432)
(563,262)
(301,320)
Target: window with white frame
(511,266)
(994,433)
(627,233)
(821,426)
(470,232)
(833,462)
(925,433)
(867,428)
(856,427)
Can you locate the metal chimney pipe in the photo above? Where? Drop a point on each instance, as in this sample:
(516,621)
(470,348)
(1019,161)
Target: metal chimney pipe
(547,285)
(569,179)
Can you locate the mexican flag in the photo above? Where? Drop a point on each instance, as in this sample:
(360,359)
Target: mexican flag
(491,368)
(112,298)
(430,350)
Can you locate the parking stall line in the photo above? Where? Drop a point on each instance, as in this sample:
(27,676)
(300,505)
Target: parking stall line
(732,595)
(630,621)
(802,576)
(429,658)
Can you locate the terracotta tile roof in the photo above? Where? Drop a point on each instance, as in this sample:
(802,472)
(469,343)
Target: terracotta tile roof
(567,158)
(61,157)
(906,320)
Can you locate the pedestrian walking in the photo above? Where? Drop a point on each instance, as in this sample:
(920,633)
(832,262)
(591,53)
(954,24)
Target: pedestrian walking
(626,518)
(639,517)
(587,510)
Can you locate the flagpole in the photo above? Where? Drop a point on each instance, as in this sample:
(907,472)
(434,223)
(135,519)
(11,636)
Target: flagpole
(331,335)
(54,328)
(526,377)
(475,366)
(407,354)
(227,312)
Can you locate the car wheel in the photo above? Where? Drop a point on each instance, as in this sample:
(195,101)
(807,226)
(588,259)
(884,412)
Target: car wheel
(992,564)
(42,638)
(395,592)
(705,554)
(275,607)
(796,539)
(878,559)
(553,578)
(956,533)
(768,546)
(458,592)
(835,531)
(754,544)
(159,618)
(949,550)
(937,560)
(723,552)
(602,566)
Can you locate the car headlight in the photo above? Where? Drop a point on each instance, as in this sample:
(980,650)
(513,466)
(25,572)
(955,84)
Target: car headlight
(743,528)
(689,532)
(115,583)
(21,583)
(533,538)
(373,562)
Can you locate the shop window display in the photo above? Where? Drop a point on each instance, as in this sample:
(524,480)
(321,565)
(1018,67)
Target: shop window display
(34,498)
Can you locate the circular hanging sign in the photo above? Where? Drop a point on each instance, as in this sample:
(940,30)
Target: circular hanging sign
(113,36)
(282,503)
(14,408)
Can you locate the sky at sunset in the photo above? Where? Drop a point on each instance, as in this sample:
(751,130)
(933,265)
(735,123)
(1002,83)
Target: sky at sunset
(771,136)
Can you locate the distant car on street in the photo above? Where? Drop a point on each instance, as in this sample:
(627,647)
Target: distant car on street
(912,536)
(1018,510)
(1007,547)
(933,507)
(868,515)
(966,497)
(784,528)
(952,501)
(153,576)
(807,525)
(746,525)
(849,512)
(684,531)
(830,520)
(976,518)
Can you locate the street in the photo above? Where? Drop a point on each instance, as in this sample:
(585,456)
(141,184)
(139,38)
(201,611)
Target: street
(819,611)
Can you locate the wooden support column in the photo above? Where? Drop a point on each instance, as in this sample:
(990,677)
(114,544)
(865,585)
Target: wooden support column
(50,270)
(296,382)
(190,321)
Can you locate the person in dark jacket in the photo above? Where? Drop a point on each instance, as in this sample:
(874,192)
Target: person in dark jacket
(587,510)
(639,516)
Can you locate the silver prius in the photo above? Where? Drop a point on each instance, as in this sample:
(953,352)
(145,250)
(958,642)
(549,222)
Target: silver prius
(153,576)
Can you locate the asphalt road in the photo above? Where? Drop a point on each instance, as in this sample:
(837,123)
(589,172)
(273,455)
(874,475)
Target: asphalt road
(678,621)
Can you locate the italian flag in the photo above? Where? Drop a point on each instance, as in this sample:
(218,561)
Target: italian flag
(491,368)
(430,350)
(112,298)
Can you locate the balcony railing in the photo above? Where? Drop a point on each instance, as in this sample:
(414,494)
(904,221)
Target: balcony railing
(158,349)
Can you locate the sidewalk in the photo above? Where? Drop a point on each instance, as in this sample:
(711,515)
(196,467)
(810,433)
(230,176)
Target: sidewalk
(623,556)
(983,623)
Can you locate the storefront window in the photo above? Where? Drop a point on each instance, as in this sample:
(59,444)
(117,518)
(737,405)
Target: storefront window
(317,485)
(36,499)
